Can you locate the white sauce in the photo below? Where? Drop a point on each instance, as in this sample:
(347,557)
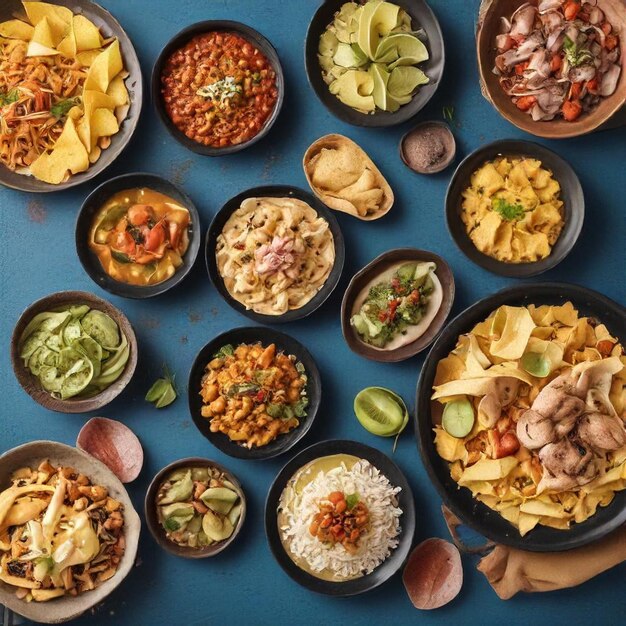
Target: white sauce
(414,331)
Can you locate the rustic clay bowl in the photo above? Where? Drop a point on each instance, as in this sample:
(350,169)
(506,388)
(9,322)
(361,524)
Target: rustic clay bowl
(109,27)
(30,383)
(157,531)
(615,11)
(376,267)
(334,141)
(69,607)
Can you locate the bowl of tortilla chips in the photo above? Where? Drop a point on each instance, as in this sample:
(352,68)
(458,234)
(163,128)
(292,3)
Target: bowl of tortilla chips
(73,97)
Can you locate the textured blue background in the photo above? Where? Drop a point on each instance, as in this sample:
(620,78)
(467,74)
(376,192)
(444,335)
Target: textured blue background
(244,584)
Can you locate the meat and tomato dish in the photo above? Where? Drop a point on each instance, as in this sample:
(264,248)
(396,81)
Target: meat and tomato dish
(558,59)
(218,89)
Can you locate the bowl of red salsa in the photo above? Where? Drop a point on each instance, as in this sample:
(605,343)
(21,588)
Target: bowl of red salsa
(218,87)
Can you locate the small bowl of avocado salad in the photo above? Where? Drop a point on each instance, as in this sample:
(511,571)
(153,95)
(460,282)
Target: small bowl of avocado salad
(396,305)
(195,508)
(73,352)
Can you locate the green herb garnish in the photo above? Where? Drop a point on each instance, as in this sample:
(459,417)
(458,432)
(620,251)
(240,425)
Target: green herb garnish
(507,211)
(576,56)
(62,107)
(171,524)
(9,97)
(352,500)
(243,389)
(162,393)
(224,351)
(448,114)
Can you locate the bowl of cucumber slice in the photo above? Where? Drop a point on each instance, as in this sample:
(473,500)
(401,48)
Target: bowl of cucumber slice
(73,352)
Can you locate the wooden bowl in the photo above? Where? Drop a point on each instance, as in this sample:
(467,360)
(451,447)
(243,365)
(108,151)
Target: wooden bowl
(69,607)
(373,269)
(155,528)
(31,384)
(109,27)
(615,11)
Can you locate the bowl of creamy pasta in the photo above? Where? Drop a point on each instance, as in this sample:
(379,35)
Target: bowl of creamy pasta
(274,253)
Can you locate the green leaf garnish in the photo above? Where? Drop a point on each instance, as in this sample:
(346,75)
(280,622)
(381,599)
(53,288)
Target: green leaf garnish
(224,351)
(171,524)
(448,114)
(163,392)
(62,107)
(574,55)
(351,500)
(507,210)
(8,98)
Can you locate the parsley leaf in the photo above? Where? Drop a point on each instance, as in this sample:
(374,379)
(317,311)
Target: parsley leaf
(352,499)
(573,54)
(62,107)
(507,210)
(9,97)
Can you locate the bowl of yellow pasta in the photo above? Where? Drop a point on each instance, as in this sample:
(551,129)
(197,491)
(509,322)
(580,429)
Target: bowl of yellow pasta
(521,408)
(515,208)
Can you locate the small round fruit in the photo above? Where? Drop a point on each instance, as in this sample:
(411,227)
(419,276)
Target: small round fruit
(458,418)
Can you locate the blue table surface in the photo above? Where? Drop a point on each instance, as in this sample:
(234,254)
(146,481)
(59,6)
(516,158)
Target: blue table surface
(245,584)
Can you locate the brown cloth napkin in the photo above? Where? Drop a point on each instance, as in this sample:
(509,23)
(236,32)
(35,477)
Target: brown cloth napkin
(509,570)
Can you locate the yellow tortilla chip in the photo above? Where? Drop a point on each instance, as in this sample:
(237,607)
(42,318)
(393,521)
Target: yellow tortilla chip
(118,92)
(518,325)
(69,154)
(67,46)
(105,67)
(87,57)
(488,469)
(86,33)
(42,42)
(16,29)
(59,18)
(103,124)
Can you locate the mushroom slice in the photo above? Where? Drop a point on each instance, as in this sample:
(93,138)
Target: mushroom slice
(433,575)
(114,444)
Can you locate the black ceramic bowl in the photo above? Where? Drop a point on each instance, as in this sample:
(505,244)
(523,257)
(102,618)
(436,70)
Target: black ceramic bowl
(571,195)
(109,27)
(92,205)
(460,500)
(407,520)
(252,335)
(422,17)
(178,41)
(274,191)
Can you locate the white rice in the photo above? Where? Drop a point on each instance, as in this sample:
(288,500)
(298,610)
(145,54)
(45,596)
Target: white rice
(374,547)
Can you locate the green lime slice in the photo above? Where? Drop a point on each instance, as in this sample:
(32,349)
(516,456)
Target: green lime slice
(535,364)
(380,411)
(167,398)
(458,418)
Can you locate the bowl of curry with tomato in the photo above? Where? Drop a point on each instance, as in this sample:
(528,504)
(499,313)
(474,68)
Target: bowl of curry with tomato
(218,87)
